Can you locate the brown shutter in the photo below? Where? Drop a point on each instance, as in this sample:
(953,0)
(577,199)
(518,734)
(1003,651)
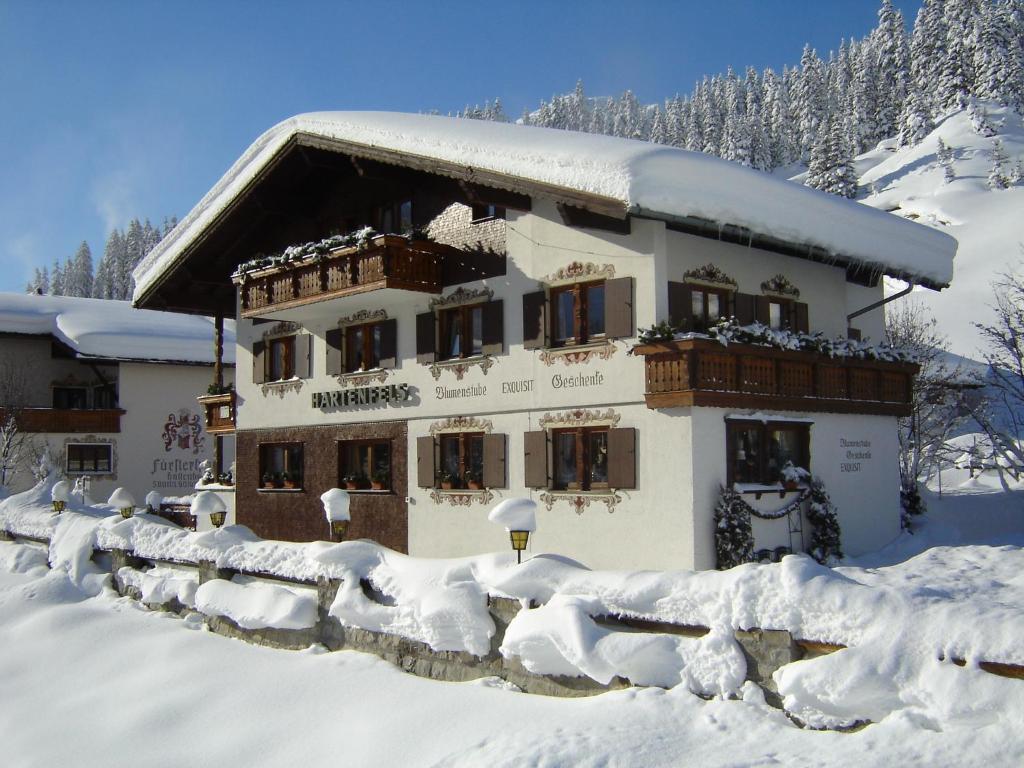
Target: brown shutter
(800,321)
(622,458)
(853,333)
(303,369)
(259,362)
(536,459)
(745,310)
(333,364)
(493,318)
(762,310)
(425,452)
(389,344)
(535,320)
(494,461)
(426,338)
(680,305)
(618,307)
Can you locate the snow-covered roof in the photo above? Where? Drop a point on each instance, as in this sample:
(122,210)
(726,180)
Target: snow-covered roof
(634,176)
(103,328)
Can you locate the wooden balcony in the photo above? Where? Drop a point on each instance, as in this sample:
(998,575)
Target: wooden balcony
(219,413)
(391,261)
(702,372)
(67,421)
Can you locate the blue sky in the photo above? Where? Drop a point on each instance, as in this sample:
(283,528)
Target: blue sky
(120,109)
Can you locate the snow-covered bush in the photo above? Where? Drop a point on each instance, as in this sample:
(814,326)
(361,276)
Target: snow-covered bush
(734,538)
(826,534)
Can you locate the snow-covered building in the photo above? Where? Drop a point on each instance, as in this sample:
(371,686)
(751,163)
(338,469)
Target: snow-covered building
(491,349)
(111,390)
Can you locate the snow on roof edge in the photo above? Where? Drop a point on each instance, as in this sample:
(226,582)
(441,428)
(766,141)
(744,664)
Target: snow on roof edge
(662,181)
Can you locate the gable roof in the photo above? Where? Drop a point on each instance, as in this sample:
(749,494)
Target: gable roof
(114,330)
(610,175)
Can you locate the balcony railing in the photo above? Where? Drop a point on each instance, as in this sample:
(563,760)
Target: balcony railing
(219,413)
(67,421)
(703,372)
(390,261)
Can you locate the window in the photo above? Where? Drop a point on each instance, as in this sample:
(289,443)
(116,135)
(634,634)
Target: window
(281,465)
(281,359)
(779,311)
(69,397)
(577,313)
(89,458)
(581,458)
(104,397)
(758,451)
(363,344)
(461,332)
(708,306)
(395,217)
(461,460)
(365,464)
(486,212)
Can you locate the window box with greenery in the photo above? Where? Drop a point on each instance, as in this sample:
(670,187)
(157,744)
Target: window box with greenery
(365,465)
(578,313)
(774,453)
(584,458)
(470,461)
(460,332)
(362,347)
(697,308)
(281,358)
(281,465)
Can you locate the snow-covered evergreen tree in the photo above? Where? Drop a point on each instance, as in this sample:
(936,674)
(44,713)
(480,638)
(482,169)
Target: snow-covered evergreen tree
(945,157)
(916,120)
(892,56)
(57,279)
(734,537)
(78,275)
(998,177)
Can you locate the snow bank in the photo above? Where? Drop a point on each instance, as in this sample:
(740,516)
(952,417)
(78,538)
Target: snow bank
(162,584)
(253,604)
(113,329)
(646,178)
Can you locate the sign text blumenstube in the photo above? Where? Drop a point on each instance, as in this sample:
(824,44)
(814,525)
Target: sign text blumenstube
(348,398)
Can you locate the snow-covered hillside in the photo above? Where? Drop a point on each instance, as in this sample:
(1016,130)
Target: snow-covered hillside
(988,223)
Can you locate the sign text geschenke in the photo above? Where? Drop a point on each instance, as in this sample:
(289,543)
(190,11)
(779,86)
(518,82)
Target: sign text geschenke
(348,398)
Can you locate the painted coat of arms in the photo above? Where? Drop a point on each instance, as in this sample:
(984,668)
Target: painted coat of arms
(183,431)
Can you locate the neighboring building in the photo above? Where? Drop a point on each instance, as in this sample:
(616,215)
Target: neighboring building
(493,352)
(111,390)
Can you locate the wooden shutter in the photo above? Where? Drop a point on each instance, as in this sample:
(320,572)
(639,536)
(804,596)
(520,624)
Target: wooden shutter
(762,310)
(800,318)
(493,318)
(536,459)
(535,320)
(622,458)
(426,450)
(303,347)
(745,310)
(853,333)
(426,338)
(259,362)
(618,307)
(494,461)
(680,305)
(334,360)
(389,344)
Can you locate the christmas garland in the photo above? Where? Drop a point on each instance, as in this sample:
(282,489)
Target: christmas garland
(734,537)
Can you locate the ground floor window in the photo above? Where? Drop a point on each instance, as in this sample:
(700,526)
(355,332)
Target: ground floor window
(89,458)
(365,464)
(281,465)
(581,458)
(461,459)
(757,451)
(468,461)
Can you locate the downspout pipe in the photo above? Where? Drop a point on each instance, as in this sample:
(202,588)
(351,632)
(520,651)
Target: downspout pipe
(878,304)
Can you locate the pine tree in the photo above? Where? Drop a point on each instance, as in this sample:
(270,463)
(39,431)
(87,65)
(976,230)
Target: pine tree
(916,120)
(78,273)
(810,101)
(945,157)
(979,120)
(956,60)
(826,535)
(997,176)
(35,285)
(892,52)
(734,537)
(57,279)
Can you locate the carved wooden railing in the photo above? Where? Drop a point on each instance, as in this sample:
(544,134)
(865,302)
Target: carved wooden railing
(390,261)
(692,372)
(219,413)
(67,421)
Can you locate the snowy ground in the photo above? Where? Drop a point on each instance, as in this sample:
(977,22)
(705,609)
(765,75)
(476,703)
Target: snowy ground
(91,680)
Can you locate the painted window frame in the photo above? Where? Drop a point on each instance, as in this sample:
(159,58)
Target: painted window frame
(765,465)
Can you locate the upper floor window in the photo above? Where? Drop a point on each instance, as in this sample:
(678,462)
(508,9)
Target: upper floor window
(89,458)
(485,212)
(69,397)
(394,217)
(104,396)
(757,451)
(707,307)
(362,347)
(461,331)
(280,358)
(578,313)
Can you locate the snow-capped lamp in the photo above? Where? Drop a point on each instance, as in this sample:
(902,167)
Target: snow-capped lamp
(336,503)
(519,516)
(209,503)
(153,501)
(124,501)
(61,495)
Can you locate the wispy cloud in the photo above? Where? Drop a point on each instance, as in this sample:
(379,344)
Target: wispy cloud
(21,254)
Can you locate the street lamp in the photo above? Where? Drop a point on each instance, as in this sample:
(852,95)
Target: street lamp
(60,494)
(209,503)
(520,520)
(336,508)
(124,501)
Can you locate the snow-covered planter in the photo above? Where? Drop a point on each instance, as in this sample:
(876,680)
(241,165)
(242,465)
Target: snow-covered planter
(792,475)
(123,500)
